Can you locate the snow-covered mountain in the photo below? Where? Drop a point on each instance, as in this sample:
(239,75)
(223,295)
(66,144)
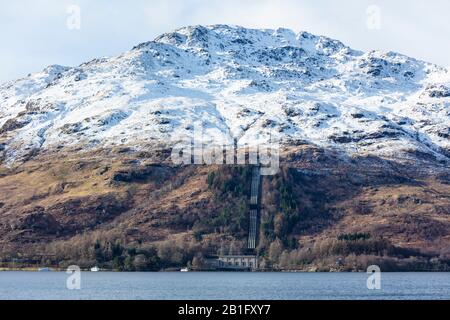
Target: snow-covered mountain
(238,83)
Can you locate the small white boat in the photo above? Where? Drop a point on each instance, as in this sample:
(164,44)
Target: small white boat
(44,269)
(184,270)
(95,269)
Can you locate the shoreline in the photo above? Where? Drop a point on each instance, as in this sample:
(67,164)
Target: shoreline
(213,271)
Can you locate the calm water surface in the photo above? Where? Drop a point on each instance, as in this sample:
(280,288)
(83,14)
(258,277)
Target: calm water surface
(222,286)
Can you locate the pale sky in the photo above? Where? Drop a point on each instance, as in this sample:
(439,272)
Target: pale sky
(34,33)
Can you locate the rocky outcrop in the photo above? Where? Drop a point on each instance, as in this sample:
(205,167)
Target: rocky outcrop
(38,221)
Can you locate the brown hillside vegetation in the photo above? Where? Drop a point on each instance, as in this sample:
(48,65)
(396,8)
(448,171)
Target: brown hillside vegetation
(134,211)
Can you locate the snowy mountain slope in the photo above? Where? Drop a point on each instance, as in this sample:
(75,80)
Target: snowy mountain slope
(237,83)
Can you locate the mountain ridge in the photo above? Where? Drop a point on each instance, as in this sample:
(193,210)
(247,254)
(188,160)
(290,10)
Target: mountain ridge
(87,178)
(236,82)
